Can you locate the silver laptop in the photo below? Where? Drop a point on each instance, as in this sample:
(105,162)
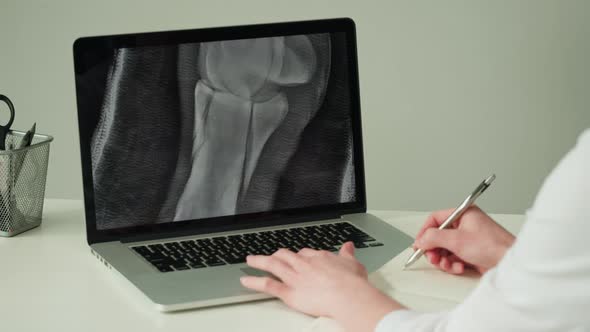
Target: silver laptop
(200,147)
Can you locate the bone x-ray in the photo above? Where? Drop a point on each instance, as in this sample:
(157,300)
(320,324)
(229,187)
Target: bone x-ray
(192,131)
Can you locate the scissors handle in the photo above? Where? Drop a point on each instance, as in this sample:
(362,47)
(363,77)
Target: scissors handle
(11,108)
(6,128)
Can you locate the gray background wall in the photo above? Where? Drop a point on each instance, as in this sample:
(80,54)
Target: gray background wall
(451,90)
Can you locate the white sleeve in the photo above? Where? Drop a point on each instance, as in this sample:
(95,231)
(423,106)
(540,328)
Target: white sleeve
(543,282)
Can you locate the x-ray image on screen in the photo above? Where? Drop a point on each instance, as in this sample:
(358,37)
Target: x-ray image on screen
(192,131)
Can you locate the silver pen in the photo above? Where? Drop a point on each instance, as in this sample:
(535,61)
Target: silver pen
(456,214)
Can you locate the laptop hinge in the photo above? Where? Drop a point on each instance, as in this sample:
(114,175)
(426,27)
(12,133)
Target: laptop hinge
(226,228)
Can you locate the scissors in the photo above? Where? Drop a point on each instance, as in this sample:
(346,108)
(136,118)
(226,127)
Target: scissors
(5,129)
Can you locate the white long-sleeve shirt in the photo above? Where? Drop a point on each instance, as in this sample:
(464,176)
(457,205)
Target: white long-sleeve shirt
(543,281)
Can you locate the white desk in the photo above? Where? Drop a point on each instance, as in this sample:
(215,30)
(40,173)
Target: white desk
(49,281)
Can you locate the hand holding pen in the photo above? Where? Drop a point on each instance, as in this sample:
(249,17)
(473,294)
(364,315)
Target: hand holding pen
(470,238)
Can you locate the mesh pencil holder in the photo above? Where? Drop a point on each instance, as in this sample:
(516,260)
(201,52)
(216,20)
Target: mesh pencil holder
(23,173)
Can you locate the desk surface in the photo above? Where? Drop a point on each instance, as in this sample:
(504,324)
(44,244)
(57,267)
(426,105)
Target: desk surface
(50,281)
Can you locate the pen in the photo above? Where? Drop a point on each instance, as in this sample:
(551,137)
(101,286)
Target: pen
(24,142)
(456,214)
(28,137)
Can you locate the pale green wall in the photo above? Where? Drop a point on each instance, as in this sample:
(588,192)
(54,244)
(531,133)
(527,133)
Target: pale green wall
(451,90)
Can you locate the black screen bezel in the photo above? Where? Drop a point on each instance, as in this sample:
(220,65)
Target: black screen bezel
(236,222)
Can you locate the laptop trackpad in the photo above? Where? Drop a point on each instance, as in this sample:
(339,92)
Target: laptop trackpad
(256,273)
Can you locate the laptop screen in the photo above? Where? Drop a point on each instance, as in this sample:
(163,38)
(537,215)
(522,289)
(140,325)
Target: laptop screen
(190,131)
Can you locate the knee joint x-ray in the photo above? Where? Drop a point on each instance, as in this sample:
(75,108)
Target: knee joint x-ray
(202,130)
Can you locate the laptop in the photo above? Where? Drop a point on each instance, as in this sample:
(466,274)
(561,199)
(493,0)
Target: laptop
(202,146)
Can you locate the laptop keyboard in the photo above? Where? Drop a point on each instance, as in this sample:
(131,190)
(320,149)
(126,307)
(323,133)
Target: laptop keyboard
(233,249)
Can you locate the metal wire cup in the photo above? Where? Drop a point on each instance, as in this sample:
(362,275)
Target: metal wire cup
(23,174)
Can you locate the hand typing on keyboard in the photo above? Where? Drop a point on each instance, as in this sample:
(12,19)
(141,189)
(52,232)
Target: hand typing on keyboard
(321,283)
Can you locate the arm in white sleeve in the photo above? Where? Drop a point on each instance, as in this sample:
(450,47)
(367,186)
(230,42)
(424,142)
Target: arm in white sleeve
(543,282)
